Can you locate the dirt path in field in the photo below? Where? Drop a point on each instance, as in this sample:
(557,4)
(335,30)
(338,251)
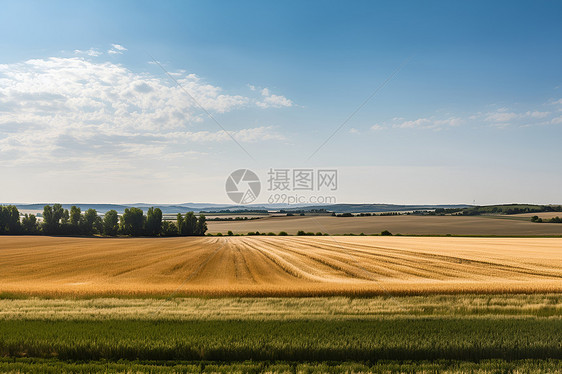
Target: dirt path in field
(278,265)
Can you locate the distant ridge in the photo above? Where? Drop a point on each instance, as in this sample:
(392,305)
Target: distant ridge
(197,207)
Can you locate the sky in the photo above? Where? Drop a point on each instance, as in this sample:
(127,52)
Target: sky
(412,102)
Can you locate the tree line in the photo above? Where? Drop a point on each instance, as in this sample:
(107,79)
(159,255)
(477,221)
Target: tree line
(537,219)
(133,222)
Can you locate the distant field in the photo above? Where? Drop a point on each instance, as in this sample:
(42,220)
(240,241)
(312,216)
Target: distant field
(542,215)
(278,266)
(406,225)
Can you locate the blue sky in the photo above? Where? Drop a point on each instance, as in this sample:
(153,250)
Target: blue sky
(474,114)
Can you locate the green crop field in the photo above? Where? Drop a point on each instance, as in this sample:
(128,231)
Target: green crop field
(451,333)
(351,340)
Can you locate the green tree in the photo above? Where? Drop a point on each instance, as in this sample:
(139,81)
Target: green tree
(75,215)
(58,212)
(110,223)
(51,219)
(169,229)
(9,219)
(13,224)
(3,220)
(179,224)
(189,224)
(153,221)
(48,219)
(29,224)
(201,226)
(132,221)
(91,223)
(65,217)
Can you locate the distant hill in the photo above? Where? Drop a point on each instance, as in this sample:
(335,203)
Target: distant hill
(376,208)
(196,207)
(510,209)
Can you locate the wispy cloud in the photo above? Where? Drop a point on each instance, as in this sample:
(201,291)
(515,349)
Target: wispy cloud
(249,135)
(74,109)
(116,49)
(90,52)
(427,123)
(502,117)
(270,100)
(119,47)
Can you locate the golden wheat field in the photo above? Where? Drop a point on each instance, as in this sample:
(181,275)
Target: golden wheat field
(278,266)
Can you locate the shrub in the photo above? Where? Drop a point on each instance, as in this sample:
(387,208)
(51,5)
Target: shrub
(386,233)
(283,233)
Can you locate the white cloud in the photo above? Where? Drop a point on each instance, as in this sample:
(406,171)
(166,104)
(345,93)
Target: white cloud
(249,135)
(119,47)
(90,52)
(451,121)
(63,109)
(116,49)
(537,114)
(427,123)
(270,100)
(501,116)
(353,131)
(377,127)
(420,122)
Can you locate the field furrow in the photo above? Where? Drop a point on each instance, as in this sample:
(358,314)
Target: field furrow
(278,265)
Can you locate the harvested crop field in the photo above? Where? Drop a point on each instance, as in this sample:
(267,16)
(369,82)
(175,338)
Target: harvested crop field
(499,225)
(277,266)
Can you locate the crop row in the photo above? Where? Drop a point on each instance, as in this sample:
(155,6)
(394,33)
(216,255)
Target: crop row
(389,339)
(54,366)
